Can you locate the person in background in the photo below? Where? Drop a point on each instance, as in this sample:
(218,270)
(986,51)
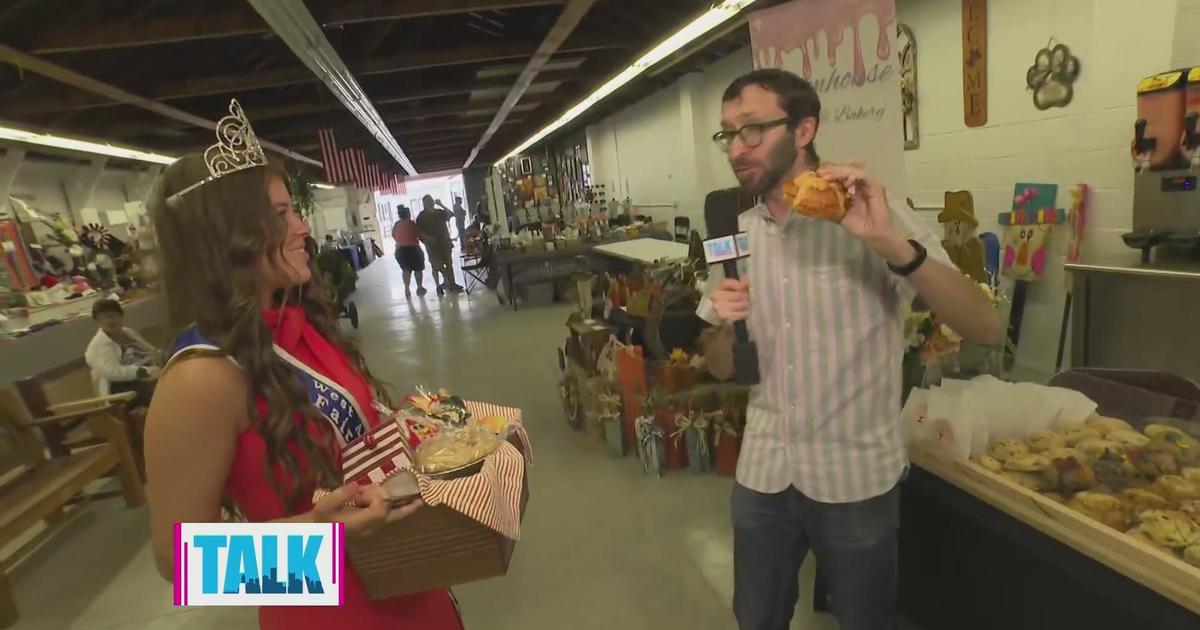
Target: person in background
(460,219)
(434,230)
(408,251)
(120,359)
(328,245)
(823,448)
(233,422)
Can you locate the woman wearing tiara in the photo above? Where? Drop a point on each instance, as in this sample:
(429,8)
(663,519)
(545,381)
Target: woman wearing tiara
(231,423)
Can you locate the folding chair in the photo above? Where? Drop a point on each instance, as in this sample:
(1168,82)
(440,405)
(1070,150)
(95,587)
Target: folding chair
(474,262)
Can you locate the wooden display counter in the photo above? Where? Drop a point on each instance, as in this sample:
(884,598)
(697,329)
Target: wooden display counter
(978,551)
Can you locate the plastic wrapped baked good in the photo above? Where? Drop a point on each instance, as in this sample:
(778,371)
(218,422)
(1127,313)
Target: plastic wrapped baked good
(1026,479)
(1045,439)
(1127,437)
(1069,475)
(1076,433)
(1160,430)
(1026,462)
(990,463)
(1169,528)
(1101,507)
(1115,471)
(1003,449)
(1191,555)
(1095,447)
(1176,488)
(1105,425)
(1191,474)
(1140,534)
(1065,452)
(1139,500)
(1153,461)
(452,450)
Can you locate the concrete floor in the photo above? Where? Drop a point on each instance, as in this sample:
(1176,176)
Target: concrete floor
(602,545)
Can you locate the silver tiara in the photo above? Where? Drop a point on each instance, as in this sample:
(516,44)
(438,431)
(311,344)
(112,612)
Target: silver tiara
(237,148)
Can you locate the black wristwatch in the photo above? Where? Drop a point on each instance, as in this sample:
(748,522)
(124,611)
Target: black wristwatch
(916,263)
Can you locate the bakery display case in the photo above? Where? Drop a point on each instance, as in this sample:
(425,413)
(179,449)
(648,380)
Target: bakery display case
(1095,525)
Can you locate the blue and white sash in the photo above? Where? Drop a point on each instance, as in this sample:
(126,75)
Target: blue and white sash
(330,399)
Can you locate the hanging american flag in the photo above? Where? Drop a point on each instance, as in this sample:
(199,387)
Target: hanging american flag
(335,168)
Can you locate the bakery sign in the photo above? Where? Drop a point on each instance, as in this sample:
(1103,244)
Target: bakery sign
(846,50)
(259,564)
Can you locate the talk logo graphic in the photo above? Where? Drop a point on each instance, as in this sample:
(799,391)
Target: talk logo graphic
(807,26)
(259,564)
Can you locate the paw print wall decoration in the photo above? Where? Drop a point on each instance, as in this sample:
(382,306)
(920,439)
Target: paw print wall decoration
(1051,76)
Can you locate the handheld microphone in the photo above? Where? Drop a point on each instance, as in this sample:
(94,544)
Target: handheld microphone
(726,250)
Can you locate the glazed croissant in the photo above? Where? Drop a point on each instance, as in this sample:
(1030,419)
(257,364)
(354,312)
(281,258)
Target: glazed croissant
(814,196)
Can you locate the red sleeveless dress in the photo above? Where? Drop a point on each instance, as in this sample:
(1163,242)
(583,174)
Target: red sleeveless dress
(254,493)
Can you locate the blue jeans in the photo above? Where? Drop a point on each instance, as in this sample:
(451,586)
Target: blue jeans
(854,542)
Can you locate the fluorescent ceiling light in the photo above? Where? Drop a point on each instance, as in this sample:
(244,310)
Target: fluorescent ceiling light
(324,186)
(83,146)
(713,18)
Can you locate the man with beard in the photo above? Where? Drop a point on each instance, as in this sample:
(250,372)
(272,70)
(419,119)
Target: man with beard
(822,450)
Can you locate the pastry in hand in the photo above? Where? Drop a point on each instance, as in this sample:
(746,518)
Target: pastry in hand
(1044,440)
(1003,449)
(1105,425)
(1026,462)
(1102,507)
(811,195)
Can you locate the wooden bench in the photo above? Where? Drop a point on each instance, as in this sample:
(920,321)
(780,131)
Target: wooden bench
(68,388)
(39,488)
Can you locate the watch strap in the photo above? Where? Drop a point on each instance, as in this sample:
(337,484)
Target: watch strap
(906,270)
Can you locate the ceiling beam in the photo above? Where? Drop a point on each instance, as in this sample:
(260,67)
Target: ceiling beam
(465,109)
(571,16)
(32,63)
(123,32)
(260,79)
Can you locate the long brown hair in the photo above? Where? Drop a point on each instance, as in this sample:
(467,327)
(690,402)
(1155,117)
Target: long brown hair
(212,243)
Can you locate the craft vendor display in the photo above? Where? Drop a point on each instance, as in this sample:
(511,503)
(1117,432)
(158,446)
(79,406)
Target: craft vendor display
(466,460)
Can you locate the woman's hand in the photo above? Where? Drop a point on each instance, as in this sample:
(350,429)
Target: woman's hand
(363,509)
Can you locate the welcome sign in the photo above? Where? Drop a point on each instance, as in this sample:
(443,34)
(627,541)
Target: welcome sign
(259,564)
(846,49)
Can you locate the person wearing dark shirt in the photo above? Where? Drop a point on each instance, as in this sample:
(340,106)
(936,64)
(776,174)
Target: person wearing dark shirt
(434,230)
(460,219)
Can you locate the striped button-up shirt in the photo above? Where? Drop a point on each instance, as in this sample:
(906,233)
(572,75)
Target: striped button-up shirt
(826,314)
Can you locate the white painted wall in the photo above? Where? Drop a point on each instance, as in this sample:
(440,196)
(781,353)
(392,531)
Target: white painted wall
(658,151)
(1088,141)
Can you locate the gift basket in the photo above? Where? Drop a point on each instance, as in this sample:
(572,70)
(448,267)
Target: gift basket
(466,460)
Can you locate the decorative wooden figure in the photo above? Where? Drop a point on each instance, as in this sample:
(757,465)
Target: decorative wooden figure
(974,44)
(1051,76)
(1025,240)
(961,242)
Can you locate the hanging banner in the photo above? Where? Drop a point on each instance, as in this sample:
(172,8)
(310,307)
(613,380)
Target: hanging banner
(846,49)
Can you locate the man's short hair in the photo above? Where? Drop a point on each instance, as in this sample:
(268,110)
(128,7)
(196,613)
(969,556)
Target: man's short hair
(106,306)
(797,98)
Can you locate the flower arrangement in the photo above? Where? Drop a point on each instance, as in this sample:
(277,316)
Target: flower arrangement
(930,343)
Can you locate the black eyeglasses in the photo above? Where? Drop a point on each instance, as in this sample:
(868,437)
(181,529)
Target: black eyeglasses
(751,134)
